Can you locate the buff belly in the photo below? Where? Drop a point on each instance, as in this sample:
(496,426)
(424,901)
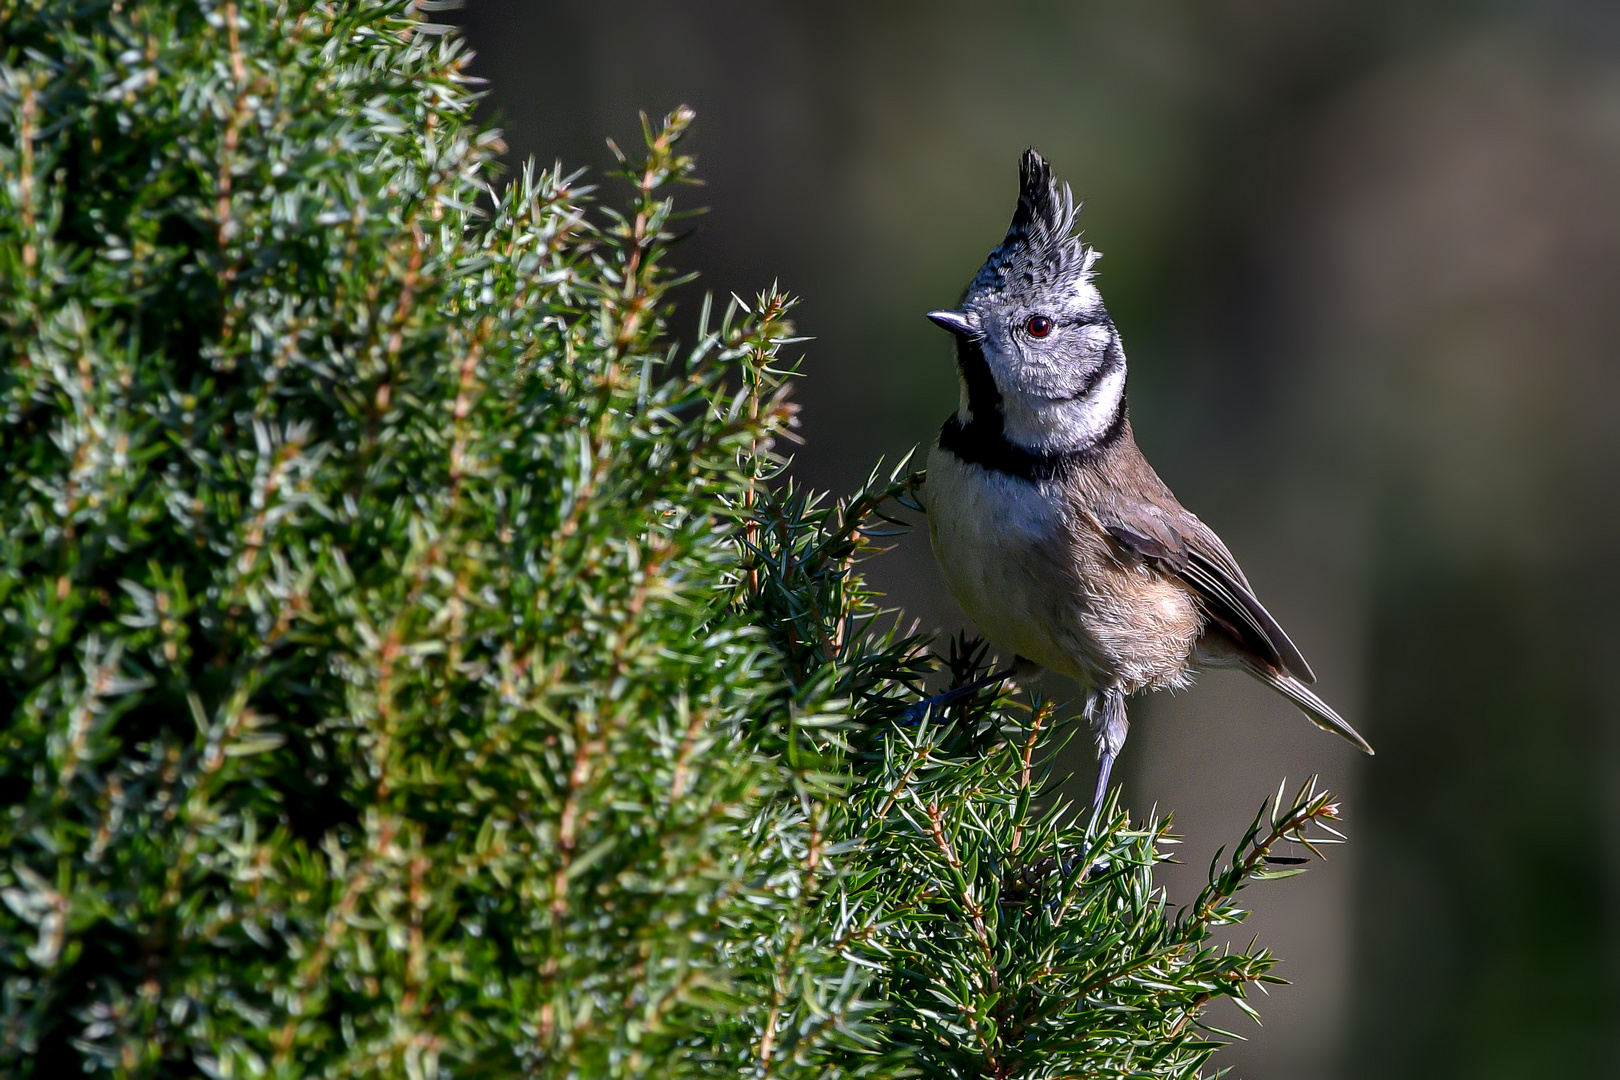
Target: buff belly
(987,529)
(1039,584)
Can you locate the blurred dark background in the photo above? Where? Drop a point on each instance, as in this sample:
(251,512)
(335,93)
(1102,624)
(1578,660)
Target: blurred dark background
(1366,261)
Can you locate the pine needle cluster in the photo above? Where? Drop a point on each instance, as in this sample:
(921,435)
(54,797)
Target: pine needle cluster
(412,660)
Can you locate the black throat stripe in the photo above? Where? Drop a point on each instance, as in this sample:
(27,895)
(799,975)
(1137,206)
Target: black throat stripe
(983,440)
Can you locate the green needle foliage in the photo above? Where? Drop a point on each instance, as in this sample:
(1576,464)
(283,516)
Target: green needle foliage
(411,660)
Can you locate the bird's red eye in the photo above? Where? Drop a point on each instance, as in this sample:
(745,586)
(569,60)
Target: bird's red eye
(1038,326)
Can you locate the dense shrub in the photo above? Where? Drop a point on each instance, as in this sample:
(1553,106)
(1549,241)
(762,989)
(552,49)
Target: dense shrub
(411,661)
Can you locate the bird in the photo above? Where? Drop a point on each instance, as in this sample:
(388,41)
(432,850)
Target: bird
(1052,531)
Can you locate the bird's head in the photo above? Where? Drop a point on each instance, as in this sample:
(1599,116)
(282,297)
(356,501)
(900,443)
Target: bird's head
(1033,318)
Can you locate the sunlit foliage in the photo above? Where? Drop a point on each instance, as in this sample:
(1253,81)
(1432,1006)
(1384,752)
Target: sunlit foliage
(411,659)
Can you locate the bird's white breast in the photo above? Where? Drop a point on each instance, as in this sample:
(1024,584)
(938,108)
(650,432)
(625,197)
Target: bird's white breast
(995,537)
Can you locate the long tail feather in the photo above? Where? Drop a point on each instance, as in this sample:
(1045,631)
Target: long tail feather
(1320,712)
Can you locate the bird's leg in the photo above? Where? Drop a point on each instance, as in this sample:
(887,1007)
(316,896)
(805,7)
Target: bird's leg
(1106,710)
(914,714)
(1108,714)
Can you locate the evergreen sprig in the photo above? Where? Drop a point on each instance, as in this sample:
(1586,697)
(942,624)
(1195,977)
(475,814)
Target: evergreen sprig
(415,661)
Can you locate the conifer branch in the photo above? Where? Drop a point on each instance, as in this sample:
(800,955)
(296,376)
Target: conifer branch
(420,663)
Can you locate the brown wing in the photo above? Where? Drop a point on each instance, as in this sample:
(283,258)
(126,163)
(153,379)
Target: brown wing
(1181,546)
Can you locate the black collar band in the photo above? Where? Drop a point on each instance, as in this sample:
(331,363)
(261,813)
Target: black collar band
(983,443)
(983,439)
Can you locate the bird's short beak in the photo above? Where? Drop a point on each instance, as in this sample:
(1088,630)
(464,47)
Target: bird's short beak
(954,321)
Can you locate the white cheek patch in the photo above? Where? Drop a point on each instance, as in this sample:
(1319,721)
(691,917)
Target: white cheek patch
(1049,426)
(1094,412)
(1096,338)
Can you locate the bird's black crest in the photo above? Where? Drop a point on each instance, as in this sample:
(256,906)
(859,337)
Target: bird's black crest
(1045,207)
(1040,246)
